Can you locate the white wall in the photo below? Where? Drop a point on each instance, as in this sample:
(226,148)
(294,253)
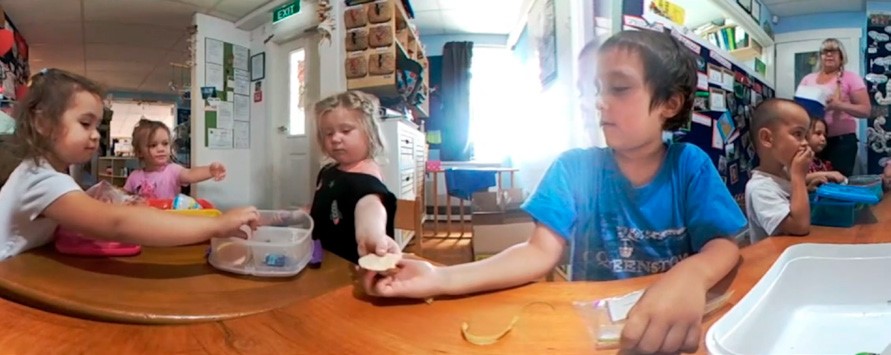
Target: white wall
(128,113)
(245,167)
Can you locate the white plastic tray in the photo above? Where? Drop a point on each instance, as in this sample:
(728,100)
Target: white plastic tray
(815,299)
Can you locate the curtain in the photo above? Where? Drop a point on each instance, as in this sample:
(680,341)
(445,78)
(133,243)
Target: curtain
(456,60)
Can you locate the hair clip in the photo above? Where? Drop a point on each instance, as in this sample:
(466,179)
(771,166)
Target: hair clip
(44,70)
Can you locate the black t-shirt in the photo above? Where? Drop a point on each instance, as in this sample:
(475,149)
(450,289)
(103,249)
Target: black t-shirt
(334,209)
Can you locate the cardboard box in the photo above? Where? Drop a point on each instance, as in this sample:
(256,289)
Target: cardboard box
(496,231)
(492,201)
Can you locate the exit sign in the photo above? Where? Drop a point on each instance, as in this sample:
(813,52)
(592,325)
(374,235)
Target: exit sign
(285,11)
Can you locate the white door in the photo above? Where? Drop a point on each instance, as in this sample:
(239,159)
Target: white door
(797,54)
(293,89)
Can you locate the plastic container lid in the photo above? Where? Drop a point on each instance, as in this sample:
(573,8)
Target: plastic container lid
(281,247)
(848,193)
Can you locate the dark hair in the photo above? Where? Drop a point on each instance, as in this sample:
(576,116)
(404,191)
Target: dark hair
(48,97)
(815,119)
(767,114)
(669,69)
(143,133)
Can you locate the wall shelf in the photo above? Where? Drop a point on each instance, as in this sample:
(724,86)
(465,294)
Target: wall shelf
(368,67)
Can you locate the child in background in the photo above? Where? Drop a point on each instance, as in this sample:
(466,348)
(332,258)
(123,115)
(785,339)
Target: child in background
(639,207)
(820,171)
(352,209)
(56,127)
(776,195)
(160,178)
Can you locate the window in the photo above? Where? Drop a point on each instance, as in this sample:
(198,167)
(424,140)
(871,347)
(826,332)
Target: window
(296,92)
(493,92)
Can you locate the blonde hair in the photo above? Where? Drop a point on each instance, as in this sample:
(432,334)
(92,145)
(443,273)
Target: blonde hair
(833,44)
(370,123)
(143,133)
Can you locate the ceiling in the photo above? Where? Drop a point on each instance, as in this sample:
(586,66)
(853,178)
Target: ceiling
(443,17)
(124,44)
(783,8)
(129,45)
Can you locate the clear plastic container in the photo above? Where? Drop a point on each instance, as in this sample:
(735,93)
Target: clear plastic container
(272,251)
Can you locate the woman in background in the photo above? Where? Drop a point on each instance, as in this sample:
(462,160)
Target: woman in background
(847,101)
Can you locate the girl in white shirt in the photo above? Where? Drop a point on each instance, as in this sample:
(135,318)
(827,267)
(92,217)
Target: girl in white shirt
(56,126)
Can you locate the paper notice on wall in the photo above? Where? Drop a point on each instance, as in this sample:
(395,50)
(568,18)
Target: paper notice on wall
(242,82)
(240,58)
(702,119)
(213,51)
(219,138)
(213,76)
(242,135)
(717,141)
(225,115)
(242,108)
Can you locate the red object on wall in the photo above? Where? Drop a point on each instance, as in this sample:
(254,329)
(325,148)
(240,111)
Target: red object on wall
(7,40)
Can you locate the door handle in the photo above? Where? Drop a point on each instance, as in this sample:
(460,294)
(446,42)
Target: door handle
(282,129)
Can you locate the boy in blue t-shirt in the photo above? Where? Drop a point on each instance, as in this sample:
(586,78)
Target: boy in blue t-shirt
(637,208)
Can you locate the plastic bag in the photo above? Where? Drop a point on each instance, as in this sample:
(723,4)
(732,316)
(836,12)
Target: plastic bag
(605,318)
(108,193)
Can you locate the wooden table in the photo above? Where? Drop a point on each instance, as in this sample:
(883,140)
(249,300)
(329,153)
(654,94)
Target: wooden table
(338,323)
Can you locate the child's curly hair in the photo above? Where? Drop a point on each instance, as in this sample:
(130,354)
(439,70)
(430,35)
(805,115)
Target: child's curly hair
(370,108)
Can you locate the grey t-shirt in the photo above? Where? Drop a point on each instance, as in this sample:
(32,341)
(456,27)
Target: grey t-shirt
(29,191)
(767,204)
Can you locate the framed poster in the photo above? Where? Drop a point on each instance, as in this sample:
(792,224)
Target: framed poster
(745,4)
(543,28)
(756,11)
(258,66)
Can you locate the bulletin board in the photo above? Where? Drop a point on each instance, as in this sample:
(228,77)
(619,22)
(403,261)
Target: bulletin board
(878,68)
(722,109)
(226,90)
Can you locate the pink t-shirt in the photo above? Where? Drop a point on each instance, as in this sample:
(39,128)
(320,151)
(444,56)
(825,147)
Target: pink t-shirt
(162,184)
(838,122)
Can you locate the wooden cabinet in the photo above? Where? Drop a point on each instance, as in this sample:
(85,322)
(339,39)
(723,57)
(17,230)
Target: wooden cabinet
(384,55)
(115,170)
(403,173)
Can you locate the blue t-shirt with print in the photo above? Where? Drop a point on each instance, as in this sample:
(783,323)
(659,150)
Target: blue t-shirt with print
(618,231)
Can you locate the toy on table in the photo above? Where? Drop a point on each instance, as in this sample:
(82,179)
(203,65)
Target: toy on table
(73,243)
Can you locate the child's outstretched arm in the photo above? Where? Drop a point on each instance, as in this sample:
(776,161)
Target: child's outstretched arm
(144,225)
(215,171)
(668,317)
(519,264)
(371,227)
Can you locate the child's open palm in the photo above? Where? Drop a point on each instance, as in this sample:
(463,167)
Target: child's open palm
(217,171)
(668,317)
(413,278)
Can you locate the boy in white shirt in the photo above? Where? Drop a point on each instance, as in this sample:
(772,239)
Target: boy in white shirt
(776,195)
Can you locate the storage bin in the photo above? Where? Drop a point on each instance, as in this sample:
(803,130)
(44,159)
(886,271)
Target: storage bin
(281,247)
(872,182)
(833,213)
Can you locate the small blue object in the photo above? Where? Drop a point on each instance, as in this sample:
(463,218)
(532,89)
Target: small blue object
(848,193)
(277,260)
